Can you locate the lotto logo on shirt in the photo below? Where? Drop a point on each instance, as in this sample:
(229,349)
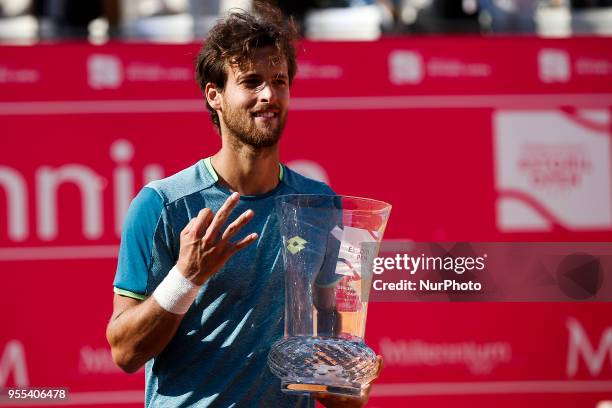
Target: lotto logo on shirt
(296,244)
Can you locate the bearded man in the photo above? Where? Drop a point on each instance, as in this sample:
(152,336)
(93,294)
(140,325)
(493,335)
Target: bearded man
(199,292)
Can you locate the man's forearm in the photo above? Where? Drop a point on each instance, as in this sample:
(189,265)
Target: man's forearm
(139,332)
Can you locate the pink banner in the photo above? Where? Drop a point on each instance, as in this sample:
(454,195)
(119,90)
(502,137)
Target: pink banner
(470,139)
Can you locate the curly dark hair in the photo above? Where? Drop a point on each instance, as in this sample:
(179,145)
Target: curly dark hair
(235,39)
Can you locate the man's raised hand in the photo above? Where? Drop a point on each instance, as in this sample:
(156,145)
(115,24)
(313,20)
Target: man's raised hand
(203,252)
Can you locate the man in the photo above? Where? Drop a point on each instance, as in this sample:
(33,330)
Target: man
(198,291)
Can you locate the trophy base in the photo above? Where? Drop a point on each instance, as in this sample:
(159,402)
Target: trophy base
(310,365)
(295,388)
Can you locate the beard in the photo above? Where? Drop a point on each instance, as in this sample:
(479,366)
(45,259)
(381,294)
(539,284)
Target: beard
(244,127)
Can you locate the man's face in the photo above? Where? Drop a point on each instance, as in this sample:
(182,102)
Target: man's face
(255,100)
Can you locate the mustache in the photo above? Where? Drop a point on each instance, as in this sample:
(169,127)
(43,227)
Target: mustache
(265,107)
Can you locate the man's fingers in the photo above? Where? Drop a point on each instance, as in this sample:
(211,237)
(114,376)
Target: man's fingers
(221,216)
(381,364)
(337,401)
(202,221)
(188,227)
(197,225)
(249,239)
(235,226)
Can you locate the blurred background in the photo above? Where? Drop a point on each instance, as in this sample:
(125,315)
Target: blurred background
(478,120)
(185,20)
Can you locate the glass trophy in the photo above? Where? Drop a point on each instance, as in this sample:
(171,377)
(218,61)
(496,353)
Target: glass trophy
(329,243)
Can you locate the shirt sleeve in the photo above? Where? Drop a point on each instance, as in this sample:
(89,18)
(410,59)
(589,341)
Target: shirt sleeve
(145,251)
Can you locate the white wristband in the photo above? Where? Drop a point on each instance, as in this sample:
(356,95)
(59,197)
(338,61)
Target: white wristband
(175,293)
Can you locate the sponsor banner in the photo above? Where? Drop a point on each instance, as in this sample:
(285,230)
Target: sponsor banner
(437,342)
(80,71)
(396,67)
(487,272)
(466,144)
(553,169)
